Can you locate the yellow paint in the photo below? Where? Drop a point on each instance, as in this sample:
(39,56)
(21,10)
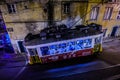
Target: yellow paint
(101,48)
(34,59)
(97,48)
(30,60)
(107,24)
(37,59)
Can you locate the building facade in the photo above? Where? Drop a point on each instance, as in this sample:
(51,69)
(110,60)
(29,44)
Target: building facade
(31,16)
(106,14)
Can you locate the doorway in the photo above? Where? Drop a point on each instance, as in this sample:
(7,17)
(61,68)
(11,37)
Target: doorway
(104,32)
(21,47)
(113,33)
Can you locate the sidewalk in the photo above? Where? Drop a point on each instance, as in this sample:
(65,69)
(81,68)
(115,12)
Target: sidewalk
(12,65)
(8,58)
(111,50)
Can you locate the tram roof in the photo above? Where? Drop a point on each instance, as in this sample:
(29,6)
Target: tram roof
(39,41)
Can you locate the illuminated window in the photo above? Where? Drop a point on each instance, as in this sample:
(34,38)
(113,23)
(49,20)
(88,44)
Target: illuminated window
(11,8)
(94,13)
(87,43)
(79,45)
(66,8)
(118,16)
(52,49)
(108,13)
(70,46)
(62,48)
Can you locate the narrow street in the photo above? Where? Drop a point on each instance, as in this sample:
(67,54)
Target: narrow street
(62,69)
(73,39)
(65,70)
(103,66)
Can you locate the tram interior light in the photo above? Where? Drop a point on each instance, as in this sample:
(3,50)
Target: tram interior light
(66,47)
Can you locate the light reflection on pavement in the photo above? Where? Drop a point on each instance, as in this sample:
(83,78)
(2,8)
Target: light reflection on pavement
(75,69)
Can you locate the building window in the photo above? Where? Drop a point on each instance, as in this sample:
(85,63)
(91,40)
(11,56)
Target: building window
(94,13)
(11,8)
(118,16)
(66,8)
(108,13)
(10,29)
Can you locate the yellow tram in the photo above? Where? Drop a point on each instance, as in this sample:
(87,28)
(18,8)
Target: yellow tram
(59,43)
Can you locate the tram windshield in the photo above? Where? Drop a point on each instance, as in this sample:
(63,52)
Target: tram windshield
(97,40)
(32,51)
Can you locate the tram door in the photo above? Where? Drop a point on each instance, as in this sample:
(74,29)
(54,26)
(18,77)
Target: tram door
(114,31)
(34,58)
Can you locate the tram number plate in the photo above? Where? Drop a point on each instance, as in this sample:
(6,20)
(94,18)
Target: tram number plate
(86,53)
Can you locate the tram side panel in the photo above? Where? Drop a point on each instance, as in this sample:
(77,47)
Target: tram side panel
(66,50)
(69,55)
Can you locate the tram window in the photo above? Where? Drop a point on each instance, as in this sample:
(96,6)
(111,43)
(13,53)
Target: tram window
(70,46)
(100,39)
(32,51)
(62,48)
(45,50)
(79,45)
(52,49)
(97,40)
(87,43)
